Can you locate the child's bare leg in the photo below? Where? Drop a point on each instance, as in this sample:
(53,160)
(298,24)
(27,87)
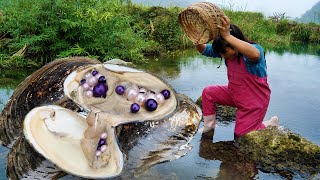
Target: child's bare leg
(274,121)
(209,122)
(209,125)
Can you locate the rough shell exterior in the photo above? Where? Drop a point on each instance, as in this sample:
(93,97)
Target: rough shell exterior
(127,134)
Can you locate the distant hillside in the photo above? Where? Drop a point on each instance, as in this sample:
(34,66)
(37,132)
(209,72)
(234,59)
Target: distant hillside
(312,15)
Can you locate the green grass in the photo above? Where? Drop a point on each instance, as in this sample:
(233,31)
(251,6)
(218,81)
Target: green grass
(106,29)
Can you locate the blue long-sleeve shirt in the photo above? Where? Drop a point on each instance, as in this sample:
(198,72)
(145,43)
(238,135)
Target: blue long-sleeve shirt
(258,68)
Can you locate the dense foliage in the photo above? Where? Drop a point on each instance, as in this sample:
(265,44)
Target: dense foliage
(34,32)
(53,29)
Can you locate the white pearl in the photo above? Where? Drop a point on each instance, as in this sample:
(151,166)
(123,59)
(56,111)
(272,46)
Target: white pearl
(88,75)
(140,99)
(74,85)
(89,93)
(135,87)
(92,81)
(151,96)
(142,90)
(159,98)
(98,75)
(132,94)
(98,153)
(103,148)
(86,86)
(103,136)
(126,90)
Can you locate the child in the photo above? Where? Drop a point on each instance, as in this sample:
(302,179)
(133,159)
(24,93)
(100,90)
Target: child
(248,89)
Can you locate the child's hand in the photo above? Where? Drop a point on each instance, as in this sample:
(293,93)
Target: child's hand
(225,28)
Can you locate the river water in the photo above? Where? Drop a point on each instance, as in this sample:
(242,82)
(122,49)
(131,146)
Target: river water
(294,81)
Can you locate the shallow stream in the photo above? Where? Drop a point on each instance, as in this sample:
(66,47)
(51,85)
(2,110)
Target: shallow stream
(294,81)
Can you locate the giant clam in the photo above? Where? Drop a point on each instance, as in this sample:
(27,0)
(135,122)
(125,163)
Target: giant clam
(92,120)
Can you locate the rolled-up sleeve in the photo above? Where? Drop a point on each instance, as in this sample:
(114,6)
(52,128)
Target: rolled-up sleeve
(208,51)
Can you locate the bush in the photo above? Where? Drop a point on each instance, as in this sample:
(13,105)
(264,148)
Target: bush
(283,27)
(59,28)
(161,26)
(253,25)
(301,33)
(315,34)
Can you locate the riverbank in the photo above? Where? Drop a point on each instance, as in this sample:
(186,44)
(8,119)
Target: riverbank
(33,33)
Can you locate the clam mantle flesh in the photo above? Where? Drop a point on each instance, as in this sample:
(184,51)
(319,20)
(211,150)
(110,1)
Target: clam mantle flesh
(85,143)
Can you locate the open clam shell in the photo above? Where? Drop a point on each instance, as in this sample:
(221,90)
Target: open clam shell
(56,133)
(119,105)
(87,146)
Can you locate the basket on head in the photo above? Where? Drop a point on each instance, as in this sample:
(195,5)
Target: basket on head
(199,21)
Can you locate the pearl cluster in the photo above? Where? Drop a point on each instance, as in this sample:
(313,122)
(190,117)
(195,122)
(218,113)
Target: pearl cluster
(102,144)
(143,97)
(94,84)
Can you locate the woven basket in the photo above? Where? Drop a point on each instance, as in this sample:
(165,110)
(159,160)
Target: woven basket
(199,21)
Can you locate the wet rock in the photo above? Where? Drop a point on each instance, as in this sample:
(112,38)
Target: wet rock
(281,151)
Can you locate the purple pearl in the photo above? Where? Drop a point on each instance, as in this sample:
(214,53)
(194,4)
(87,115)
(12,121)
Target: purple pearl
(101,143)
(102,79)
(120,89)
(134,107)
(82,81)
(94,72)
(100,90)
(151,105)
(166,93)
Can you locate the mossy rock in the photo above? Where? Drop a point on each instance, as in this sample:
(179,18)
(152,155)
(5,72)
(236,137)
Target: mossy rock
(281,151)
(275,150)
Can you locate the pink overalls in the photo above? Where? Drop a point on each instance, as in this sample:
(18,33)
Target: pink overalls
(248,92)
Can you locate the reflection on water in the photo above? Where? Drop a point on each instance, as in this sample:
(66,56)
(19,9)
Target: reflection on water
(294,81)
(295,49)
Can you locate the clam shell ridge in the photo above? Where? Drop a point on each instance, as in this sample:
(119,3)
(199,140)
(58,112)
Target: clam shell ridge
(87,146)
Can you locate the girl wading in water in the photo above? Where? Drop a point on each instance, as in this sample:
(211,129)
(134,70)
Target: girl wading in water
(247,89)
